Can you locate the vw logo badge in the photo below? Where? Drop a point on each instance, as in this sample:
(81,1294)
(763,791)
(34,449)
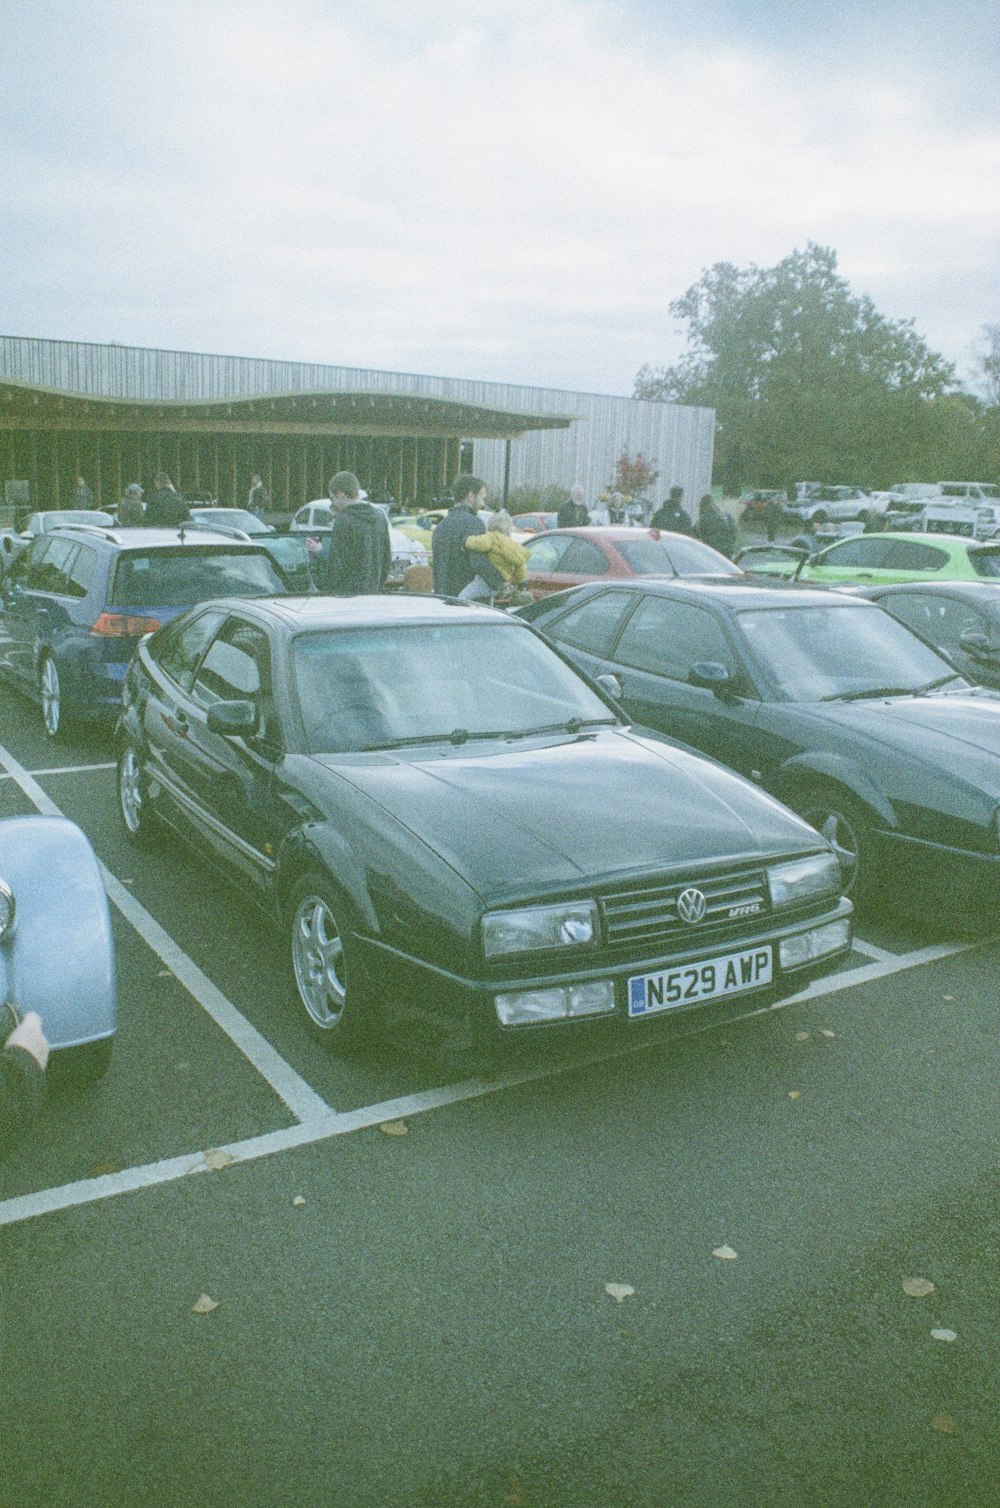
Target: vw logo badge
(691,905)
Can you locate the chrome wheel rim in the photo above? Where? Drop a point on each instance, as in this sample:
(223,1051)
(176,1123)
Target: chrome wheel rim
(129,790)
(318,960)
(51,700)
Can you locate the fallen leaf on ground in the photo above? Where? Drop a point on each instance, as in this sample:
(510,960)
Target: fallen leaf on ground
(298,1200)
(794,1094)
(205,1305)
(101,1168)
(725,1254)
(825,1033)
(802,1036)
(165,974)
(394,1128)
(918,1288)
(618,1291)
(216,1158)
(128,882)
(947,997)
(943,1335)
(944,1424)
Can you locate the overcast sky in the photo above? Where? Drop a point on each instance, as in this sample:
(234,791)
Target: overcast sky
(513,190)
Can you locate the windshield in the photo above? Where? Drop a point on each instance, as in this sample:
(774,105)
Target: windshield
(68,516)
(386,687)
(182,577)
(823,653)
(233,518)
(674,556)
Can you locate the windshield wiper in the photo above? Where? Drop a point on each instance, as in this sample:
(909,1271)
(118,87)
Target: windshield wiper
(942,680)
(572,725)
(463,735)
(872,694)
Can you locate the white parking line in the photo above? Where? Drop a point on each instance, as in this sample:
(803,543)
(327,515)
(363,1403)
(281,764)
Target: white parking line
(870,950)
(107,1186)
(301,1099)
(63,769)
(318,1121)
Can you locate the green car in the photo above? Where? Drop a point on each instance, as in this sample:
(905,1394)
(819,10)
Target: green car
(880,559)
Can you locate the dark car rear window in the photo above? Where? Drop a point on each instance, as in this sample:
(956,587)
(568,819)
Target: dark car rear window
(182,577)
(985,562)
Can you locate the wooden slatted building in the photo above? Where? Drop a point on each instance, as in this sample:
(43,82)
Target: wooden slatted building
(116,414)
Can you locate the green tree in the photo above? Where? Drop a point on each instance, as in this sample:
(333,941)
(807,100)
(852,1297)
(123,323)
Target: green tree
(808,380)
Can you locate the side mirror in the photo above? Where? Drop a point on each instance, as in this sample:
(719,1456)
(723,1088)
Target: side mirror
(709,675)
(233,719)
(978,645)
(610,685)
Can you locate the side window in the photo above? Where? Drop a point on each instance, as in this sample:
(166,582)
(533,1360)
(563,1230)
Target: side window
(545,553)
(51,574)
(81,572)
(26,569)
(237,667)
(592,626)
(322,518)
(667,638)
(911,555)
(180,649)
(918,613)
(871,554)
(583,558)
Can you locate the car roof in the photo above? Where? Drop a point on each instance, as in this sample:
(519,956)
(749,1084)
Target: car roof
(936,588)
(146,539)
(386,610)
(734,592)
(951,541)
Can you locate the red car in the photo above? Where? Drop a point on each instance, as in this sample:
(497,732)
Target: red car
(534,523)
(561,558)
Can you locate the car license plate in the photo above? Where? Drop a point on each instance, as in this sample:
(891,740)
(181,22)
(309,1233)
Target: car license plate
(705,979)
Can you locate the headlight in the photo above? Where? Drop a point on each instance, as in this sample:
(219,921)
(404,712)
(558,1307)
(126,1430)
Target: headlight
(571,924)
(8,909)
(804,879)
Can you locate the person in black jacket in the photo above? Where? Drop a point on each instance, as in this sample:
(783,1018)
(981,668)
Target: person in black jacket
(455,566)
(716,528)
(166,508)
(671,515)
(360,553)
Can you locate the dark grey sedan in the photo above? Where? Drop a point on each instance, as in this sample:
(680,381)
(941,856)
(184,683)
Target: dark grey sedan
(825,701)
(960,619)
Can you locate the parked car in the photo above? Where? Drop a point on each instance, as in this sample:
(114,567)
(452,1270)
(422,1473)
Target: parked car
(230,518)
(64,518)
(452,826)
(57,953)
(289,552)
(882,558)
(561,558)
(757,498)
(824,503)
(960,619)
(75,604)
(939,516)
(316,519)
(972,492)
(535,523)
(827,703)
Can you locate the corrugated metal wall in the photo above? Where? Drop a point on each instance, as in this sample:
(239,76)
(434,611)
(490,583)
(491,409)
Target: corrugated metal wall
(678,440)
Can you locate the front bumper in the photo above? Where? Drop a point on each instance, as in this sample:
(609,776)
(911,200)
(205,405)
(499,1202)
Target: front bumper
(414,989)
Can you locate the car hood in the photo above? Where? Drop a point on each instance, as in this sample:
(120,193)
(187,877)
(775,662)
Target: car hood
(519,819)
(956,732)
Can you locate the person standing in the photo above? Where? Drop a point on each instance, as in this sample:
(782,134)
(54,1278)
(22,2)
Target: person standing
(671,514)
(131,510)
(716,528)
(616,509)
(360,553)
(454,566)
(772,518)
(259,499)
(83,496)
(166,509)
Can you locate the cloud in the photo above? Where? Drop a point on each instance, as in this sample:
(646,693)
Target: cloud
(522,185)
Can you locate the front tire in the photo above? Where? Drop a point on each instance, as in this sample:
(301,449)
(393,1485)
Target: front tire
(328,977)
(843,822)
(133,799)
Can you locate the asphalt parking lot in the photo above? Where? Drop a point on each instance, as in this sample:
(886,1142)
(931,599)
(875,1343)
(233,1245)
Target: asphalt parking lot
(412,1274)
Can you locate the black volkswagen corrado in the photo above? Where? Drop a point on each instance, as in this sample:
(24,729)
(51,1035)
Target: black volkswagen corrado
(452,824)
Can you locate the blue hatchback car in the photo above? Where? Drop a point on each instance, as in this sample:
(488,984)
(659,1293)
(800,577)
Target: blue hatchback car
(75,604)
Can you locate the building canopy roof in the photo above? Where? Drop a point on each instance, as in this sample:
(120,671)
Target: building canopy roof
(323,412)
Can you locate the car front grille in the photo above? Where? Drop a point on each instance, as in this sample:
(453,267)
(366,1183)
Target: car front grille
(648,913)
